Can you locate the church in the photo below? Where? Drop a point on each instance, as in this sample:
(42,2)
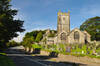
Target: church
(64,35)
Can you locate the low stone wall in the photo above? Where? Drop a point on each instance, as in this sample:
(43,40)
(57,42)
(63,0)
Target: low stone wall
(76,59)
(44,52)
(61,55)
(70,58)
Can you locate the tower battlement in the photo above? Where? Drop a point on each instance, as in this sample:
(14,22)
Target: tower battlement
(63,13)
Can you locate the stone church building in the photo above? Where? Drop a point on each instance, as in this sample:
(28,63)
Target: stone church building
(64,35)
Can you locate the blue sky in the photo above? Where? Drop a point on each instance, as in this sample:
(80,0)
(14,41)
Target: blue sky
(42,14)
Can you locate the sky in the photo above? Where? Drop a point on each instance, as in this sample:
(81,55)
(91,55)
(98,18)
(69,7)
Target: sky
(42,14)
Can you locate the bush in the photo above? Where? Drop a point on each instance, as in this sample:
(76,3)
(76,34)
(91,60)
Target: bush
(36,46)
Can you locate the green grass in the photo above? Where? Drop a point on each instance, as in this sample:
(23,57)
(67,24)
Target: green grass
(36,46)
(2,53)
(79,55)
(5,61)
(93,56)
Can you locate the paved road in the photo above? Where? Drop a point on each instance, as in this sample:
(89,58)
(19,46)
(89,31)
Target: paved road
(22,59)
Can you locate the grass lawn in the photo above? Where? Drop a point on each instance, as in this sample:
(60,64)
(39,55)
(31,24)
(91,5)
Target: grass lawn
(5,61)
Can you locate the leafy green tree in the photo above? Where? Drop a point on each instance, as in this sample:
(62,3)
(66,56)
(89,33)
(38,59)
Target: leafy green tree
(12,44)
(27,41)
(34,33)
(92,26)
(8,25)
(51,35)
(39,37)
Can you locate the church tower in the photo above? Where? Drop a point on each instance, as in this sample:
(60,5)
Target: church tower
(63,22)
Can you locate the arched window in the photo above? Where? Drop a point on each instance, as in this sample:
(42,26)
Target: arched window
(86,38)
(76,35)
(63,36)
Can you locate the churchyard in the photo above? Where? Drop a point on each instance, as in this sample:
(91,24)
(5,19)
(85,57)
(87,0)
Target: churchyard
(91,50)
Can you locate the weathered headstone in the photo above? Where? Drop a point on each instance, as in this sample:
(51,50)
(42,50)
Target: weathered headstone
(68,49)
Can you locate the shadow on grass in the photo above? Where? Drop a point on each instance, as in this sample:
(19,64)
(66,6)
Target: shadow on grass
(5,61)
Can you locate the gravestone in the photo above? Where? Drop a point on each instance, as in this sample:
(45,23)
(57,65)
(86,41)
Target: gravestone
(68,49)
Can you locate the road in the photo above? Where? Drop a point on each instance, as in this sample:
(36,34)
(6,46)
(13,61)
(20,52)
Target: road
(22,59)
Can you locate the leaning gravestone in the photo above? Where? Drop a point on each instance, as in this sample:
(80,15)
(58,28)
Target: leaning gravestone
(88,52)
(68,49)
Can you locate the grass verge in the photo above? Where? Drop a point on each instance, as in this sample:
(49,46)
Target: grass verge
(5,61)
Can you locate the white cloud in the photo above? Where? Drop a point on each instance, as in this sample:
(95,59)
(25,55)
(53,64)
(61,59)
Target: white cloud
(20,15)
(19,38)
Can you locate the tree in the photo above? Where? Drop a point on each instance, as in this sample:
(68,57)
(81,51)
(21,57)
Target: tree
(12,44)
(92,26)
(27,41)
(8,25)
(39,37)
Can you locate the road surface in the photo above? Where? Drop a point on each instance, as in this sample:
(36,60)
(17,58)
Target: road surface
(22,59)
